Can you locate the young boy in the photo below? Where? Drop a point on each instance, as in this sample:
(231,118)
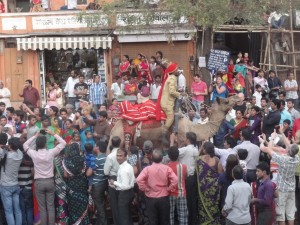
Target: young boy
(90,162)
(257,94)
(242,156)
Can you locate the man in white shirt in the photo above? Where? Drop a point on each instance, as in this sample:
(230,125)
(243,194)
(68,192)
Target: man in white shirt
(111,167)
(229,144)
(117,88)
(124,186)
(291,88)
(257,94)
(69,88)
(155,88)
(4,95)
(187,156)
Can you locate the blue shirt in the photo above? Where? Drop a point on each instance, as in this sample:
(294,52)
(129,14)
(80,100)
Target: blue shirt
(99,175)
(87,141)
(285,115)
(97,93)
(221,95)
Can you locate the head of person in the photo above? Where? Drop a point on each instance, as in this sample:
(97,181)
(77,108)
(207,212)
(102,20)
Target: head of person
(237,172)
(197,78)
(63,114)
(261,73)
(9,112)
(242,154)
(253,100)
(115,142)
(68,124)
(255,110)
(125,58)
(286,124)
(97,79)
(231,162)
(3,139)
(3,120)
(262,170)
(173,153)
(229,142)
(231,62)
(28,83)
(45,121)
(272,74)
(258,88)
(245,134)
(219,80)
(203,113)
(100,147)
(74,73)
(241,62)
(87,110)
(191,138)
(53,111)
(290,103)
(32,120)
(291,76)
(102,116)
(56,85)
(157,155)
(121,155)
(88,148)
(2,106)
(275,104)
(1,84)
(14,144)
(50,86)
(159,55)
(238,114)
(282,95)
(103,108)
(264,102)
(158,79)
(88,134)
(148,147)
(19,115)
(282,104)
(209,149)
(293,150)
(118,80)
(240,55)
(40,142)
(242,97)
(76,137)
(69,108)
(125,76)
(152,59)
(81,78)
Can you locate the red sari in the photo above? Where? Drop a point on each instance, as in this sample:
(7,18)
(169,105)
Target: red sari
(238,127)
(124,67)
(144,69)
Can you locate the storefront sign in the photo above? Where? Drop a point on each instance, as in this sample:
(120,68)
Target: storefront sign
(14,23)
(142,19)
(61,22)
(218,60)
(202,62)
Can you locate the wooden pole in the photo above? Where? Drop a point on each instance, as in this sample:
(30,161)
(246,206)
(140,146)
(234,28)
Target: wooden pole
(292,39)
(269,48)
(287,66)
(266,51)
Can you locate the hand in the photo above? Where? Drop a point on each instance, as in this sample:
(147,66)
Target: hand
(224,213)
(260,139)
(111,181)
(281,131)
(48,131)
(274,134)
(37,134)
(264,136)
(253,200)
(95,134)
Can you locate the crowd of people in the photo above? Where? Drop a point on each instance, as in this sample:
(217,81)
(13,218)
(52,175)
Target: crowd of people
(60,164)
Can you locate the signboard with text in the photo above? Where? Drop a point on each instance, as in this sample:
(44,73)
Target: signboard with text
(218,60)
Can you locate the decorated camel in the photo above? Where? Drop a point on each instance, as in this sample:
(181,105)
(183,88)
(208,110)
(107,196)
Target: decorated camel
(152,130)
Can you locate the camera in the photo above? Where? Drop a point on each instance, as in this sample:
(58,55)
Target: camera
(5,129)
(214,83)
(43,132)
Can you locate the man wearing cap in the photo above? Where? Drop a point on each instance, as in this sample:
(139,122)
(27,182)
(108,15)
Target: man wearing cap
(169,94)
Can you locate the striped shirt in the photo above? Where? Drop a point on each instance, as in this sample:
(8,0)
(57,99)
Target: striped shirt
(25,177)
(99,175)
(97,93)
(181,172)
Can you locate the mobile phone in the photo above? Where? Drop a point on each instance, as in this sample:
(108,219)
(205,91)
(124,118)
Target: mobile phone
(43,132)
(5,129)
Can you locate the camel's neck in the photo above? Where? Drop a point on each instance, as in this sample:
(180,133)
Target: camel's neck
(217,116)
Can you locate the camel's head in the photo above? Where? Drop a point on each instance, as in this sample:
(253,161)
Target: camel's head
(225,104)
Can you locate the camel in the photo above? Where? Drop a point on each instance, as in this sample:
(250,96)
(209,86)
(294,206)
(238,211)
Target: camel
(203,131)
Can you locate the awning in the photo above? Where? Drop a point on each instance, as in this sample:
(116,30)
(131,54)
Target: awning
(72,42)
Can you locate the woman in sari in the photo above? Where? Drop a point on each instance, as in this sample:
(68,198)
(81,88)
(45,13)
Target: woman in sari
(144,69)
(77,189)
(124,66)
(239,123)
(208,168)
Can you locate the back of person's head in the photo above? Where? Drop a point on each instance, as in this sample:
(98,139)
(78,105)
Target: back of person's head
(293,150)
(134,150)
(148,146)
(157,155)
(45,117)
(230,141)
(116,141)
(103,114)
(264,166)
(246,134)
(173,153)
(238,172)
(41,142)
(209,148)
(102,146)
(87,132)
(257,86)
(3,138)
(88,148)
(14,143)
(231,162)
(192,137)
(242,154)
(287,121)
(277,103)
(10,109)
(256,109)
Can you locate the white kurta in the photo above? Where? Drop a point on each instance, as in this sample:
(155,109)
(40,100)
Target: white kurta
(5,93)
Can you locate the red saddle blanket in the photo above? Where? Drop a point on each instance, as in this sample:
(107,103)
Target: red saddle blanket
(139,112)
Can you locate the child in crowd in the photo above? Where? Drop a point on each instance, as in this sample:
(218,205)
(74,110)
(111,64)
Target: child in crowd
(88,140)
(90,162)
(287,129)
(257,94)
(242,156)
(68,132)
(238,87)
(75,138)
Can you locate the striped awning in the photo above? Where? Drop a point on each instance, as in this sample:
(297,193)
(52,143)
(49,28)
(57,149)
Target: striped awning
(50,43)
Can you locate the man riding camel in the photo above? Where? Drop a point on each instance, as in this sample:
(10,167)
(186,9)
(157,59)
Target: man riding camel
(168,95)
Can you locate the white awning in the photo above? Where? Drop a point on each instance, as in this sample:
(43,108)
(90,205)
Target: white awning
(72,42)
